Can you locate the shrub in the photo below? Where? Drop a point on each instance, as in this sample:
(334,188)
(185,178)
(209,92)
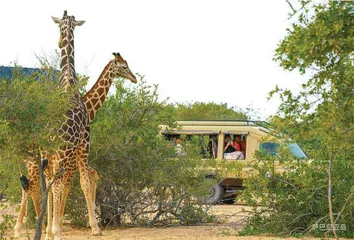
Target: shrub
(141,182)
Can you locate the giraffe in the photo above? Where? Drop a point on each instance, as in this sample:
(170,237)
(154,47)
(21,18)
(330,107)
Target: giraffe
(93,100)
(75,133)
(95,97)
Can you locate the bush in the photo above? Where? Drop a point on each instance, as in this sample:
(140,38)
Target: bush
(141,182)
(295,202)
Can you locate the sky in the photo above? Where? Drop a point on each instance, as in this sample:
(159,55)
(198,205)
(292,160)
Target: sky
(195,50)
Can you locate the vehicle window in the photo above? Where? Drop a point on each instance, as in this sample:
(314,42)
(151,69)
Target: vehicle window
(208,144)
(234,147)
(269,147)
(296,150)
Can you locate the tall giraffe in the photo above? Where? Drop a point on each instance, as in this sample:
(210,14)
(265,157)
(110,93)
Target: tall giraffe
(93,100)
(75,133)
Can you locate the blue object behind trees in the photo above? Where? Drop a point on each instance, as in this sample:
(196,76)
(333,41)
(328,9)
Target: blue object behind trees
(7,72)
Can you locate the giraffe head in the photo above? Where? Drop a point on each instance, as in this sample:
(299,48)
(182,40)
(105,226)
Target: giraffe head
(121,68)
(66,25)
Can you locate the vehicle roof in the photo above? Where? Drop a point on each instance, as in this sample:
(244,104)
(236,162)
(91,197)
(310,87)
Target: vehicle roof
(210,127)
(236,122)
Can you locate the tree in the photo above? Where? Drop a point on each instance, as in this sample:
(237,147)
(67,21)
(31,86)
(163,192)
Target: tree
(320,45)
(32,108)
(207,111)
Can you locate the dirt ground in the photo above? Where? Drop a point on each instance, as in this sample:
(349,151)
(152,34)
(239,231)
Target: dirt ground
(230,219)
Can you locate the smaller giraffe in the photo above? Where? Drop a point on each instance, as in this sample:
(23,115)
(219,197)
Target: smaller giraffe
(95,97)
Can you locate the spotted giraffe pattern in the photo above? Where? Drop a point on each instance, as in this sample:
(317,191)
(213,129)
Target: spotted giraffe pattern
(95,97)
(75,133)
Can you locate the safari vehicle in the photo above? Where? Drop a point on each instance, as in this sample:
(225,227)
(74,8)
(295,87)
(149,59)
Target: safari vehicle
(255,135)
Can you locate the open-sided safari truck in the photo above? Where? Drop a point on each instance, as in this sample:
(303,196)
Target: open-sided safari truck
(249,136)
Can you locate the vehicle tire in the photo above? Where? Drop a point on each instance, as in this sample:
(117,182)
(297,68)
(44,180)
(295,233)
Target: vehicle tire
(215,195)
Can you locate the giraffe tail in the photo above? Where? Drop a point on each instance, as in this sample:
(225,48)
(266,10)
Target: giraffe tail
(23,178)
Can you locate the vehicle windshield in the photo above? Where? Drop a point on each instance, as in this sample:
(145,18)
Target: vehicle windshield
(272,147)
(296,150)
(269,148)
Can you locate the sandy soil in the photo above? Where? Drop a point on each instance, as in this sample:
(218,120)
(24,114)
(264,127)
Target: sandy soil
(230,219)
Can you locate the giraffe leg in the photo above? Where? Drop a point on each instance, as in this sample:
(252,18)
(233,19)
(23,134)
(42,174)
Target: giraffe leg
(87,189)
(64,196)
(93,180)
(35,198)
(21,215)
(56,230)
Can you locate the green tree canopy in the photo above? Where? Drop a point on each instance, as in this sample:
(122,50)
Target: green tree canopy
(31,109)
(207,111)
(319,44)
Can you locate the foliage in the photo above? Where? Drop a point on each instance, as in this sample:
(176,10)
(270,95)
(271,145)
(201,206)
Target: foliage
(6,222)
(141,181)
(295,200)
(321,118)
(6,225)
(31,109)
(207,111)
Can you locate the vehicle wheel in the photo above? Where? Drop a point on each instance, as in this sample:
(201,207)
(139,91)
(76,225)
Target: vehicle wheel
(215,195)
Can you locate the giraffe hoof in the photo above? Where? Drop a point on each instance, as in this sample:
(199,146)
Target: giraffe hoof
(49,236)
(96,232)
(17,231)
(17,234)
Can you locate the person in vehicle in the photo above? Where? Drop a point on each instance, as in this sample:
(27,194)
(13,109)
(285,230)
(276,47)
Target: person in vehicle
(228,146)
(233,150)
(179,151)
(239,145)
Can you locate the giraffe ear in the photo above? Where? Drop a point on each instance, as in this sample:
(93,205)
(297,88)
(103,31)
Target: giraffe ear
(79,23)
(56,20)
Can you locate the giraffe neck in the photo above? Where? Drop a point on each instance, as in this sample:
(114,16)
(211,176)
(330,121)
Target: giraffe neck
(67,63)
(95,97)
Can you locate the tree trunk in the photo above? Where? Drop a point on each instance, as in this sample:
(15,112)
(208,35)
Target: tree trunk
(330,185)
(38,233)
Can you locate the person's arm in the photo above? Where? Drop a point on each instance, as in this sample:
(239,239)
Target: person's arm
(227,145)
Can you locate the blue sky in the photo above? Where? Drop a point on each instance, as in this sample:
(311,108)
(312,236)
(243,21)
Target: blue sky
(200,50)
